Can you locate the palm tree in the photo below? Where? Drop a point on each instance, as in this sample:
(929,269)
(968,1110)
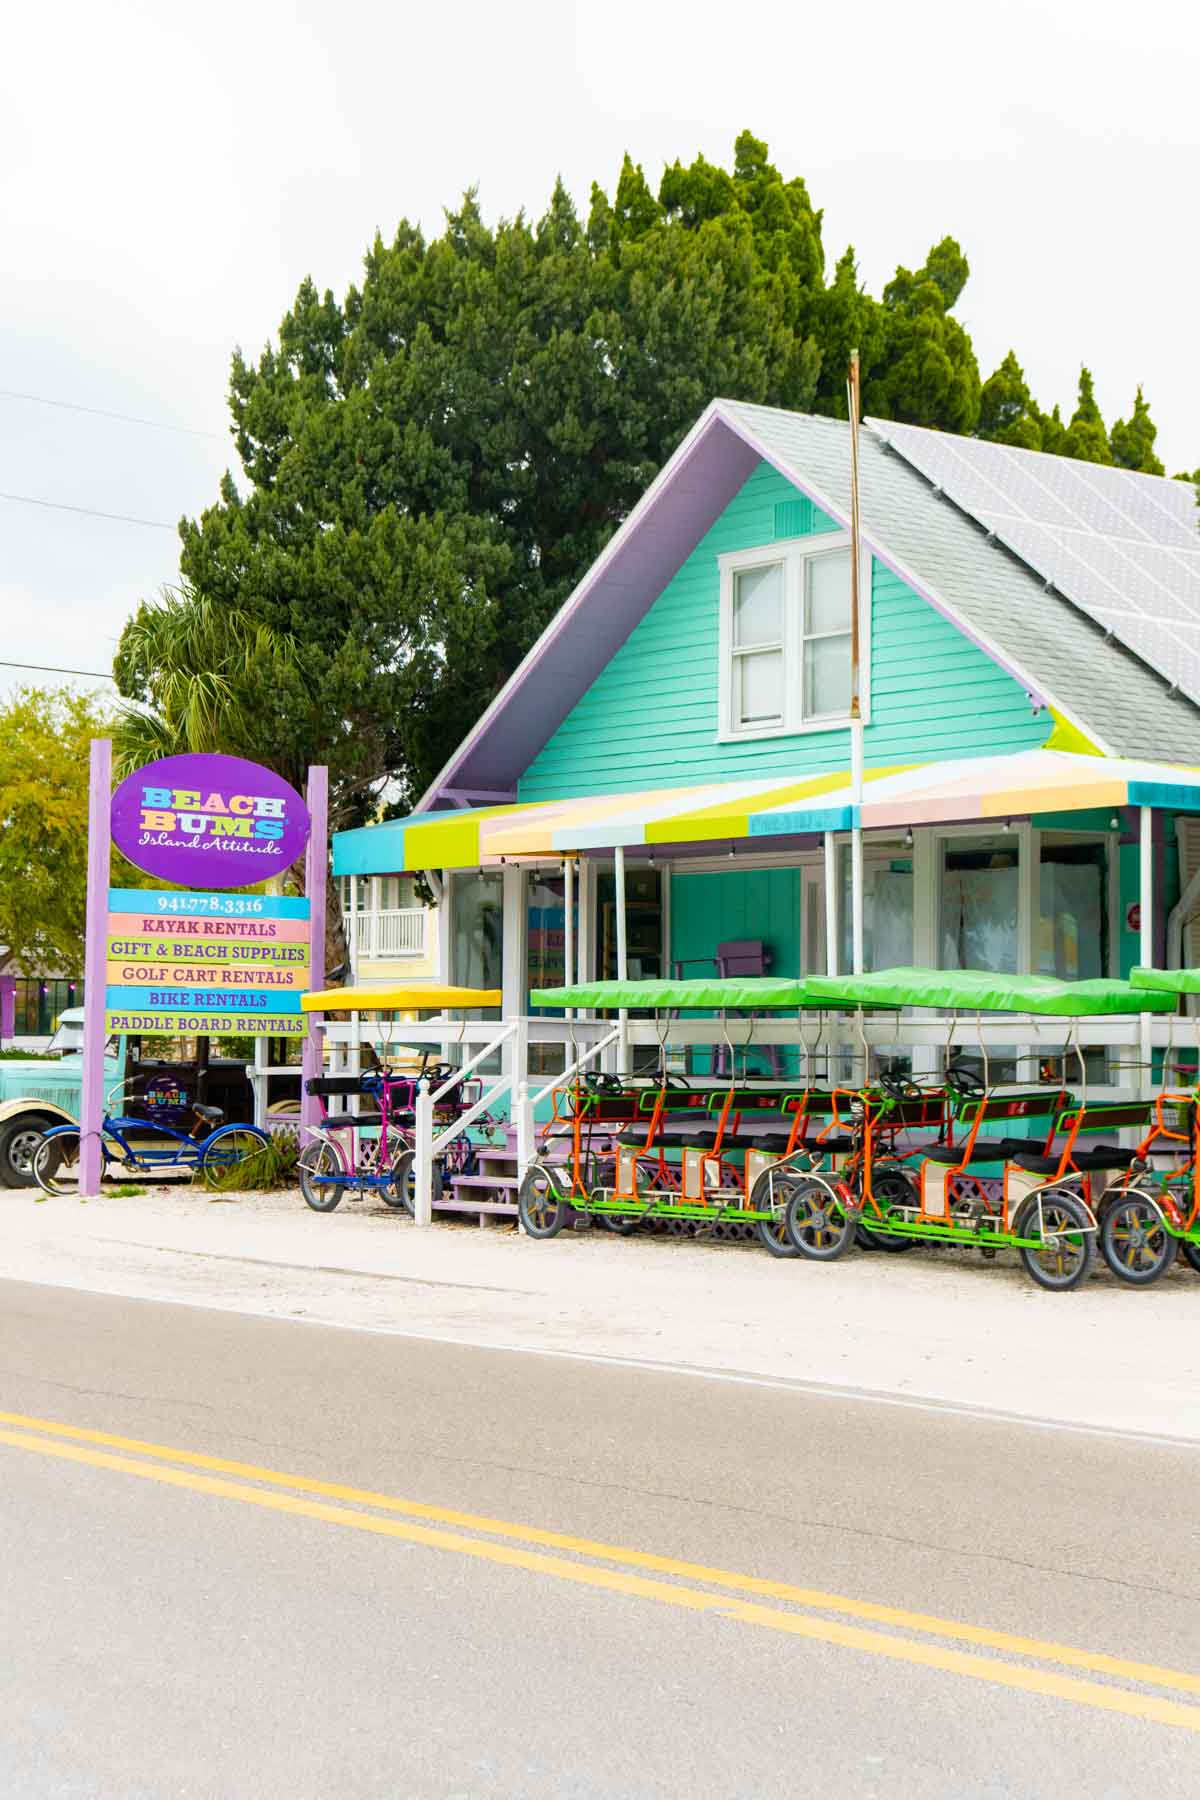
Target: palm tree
(195,676)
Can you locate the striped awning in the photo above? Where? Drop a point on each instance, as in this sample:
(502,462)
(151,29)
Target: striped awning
(938,793)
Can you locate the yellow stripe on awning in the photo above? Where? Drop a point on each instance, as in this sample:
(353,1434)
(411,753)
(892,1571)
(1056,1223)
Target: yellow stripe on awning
(452,842)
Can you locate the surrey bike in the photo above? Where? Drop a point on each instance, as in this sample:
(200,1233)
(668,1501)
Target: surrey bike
(372,1149)
(1153,1215)
(682,1154)
(1039,1198)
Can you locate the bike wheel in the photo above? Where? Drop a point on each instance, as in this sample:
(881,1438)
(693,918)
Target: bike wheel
(1191,1253)
(1068,1249)
(56,1163)
(540,1207)
(891,1188)
(401,1191)
(322,1179)
(815,1221)
(227,1151)
(772,1234)
(1136,1244)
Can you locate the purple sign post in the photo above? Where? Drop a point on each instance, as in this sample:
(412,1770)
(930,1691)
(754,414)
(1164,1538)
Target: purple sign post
(91,1098)
(315,872)
(208,822)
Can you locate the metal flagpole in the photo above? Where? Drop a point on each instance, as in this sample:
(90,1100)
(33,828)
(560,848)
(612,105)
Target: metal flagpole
(856,724)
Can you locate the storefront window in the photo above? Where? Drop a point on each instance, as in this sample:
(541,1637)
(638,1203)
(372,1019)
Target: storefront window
(1073,909)
(887,907)
(38,1004)
(978,927)
(545,956)
(477,930)
(643,924)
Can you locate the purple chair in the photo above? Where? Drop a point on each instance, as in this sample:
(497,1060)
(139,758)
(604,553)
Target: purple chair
(738,956)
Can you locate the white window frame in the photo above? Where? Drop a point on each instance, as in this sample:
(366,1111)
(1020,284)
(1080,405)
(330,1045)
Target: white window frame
(793,554)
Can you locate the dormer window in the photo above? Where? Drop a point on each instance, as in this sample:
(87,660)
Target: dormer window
(785,638)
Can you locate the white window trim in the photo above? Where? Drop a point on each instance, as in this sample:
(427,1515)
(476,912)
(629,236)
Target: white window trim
(793,554)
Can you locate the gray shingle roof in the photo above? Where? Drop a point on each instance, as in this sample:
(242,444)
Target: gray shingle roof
(1112,692)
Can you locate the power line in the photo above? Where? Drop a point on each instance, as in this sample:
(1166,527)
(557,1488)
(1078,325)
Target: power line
(51,669)
(100,412)
(89,511)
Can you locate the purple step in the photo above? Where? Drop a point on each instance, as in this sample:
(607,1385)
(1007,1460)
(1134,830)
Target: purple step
(484,1181)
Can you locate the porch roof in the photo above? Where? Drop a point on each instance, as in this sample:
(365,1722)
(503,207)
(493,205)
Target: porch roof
(937,793)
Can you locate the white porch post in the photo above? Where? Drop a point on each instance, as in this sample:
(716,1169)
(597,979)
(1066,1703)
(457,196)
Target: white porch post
(831,905)
(622,952)
(352,933)
(423,1156)
(374,936)
(568,923)
(514,962)
(1146,929)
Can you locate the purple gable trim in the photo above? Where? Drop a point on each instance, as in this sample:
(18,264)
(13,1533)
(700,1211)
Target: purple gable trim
(627,577)
(684,500)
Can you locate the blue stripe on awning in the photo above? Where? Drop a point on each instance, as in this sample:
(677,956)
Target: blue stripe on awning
(1164,794)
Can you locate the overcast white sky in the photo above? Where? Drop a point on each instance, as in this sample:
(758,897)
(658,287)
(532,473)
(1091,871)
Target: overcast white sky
(169,173)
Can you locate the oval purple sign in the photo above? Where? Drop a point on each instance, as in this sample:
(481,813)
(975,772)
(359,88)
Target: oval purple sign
(209,821)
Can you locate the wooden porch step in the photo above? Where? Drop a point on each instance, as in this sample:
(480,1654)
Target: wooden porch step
(484,1181)
(500,1209)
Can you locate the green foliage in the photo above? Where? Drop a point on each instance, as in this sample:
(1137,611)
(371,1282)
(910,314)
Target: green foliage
(274,1166)
(1085,437)
(1132,440)
(1007,413)
(431,464)
(43,826)
(202,678)
(927,373)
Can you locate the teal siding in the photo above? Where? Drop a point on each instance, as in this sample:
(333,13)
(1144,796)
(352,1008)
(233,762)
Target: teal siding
(650,719)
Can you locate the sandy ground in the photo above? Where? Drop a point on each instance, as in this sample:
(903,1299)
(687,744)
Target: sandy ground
(942,1326)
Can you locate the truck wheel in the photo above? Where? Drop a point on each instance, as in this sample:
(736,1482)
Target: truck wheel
(19,1140)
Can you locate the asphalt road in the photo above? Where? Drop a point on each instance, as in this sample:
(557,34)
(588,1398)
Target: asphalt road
(332,1563)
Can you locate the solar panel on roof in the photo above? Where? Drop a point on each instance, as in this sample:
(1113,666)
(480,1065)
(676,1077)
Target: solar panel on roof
(1122,547)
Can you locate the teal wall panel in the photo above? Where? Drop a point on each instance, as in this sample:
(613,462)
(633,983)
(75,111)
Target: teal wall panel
(650,718)
(711,909)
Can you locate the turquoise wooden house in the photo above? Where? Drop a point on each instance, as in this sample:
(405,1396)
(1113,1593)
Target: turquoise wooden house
(667,772)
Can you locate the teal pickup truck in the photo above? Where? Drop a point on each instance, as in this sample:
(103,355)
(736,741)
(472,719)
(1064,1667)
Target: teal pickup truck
(38,1092)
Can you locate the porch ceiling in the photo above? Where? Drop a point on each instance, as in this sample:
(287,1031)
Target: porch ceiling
(969,788)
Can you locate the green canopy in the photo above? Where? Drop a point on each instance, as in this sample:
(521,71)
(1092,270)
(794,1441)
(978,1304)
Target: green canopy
(754,993)
(1171,981)
(979,990)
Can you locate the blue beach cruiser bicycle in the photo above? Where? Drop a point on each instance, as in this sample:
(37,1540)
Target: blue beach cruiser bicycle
(170,1135)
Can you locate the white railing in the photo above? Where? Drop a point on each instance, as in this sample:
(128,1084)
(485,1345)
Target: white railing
(385,935)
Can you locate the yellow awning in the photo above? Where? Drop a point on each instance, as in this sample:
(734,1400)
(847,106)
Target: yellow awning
(430,997)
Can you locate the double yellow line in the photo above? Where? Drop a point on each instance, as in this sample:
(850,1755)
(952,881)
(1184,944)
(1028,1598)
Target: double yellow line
(694,1587)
